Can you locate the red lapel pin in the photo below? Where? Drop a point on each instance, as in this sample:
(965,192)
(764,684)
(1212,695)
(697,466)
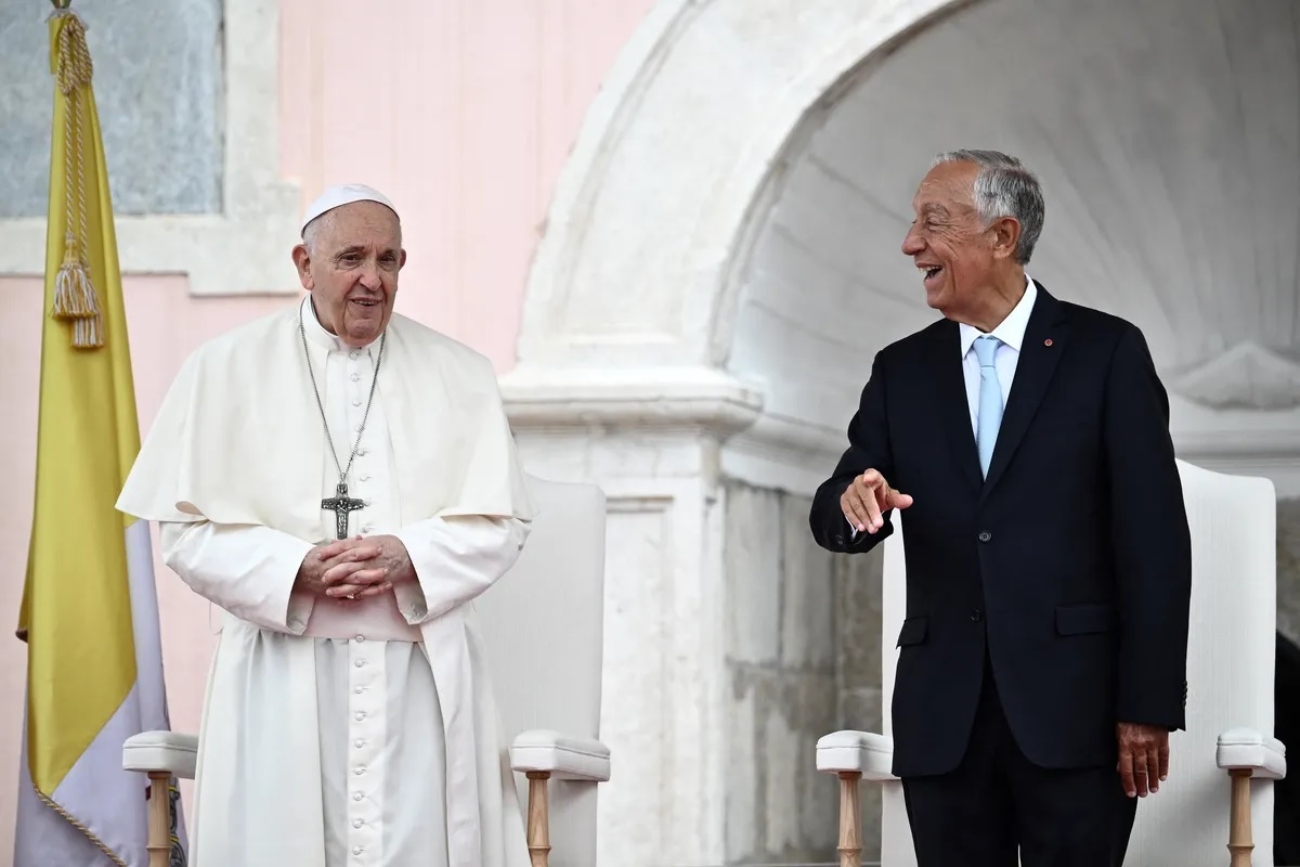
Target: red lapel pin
(1047,342)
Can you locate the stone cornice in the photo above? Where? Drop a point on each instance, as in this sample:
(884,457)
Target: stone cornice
(791,454)
(684,399)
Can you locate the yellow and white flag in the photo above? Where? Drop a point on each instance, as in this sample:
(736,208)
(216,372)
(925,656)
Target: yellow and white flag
(90,611)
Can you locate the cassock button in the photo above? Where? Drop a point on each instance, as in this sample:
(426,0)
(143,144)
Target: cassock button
(357,823)
(356,377)
(356,401)
(360,638)
(985,536)
(357,796)
(360,663)
(358,743)
(352,354)
(360,716)
(356,850)
(359,690)
(360,770)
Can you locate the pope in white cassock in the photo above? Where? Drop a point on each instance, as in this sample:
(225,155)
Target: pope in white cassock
(342,481)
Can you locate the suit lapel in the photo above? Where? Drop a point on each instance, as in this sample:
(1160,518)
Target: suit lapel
(954,408)
(1034,371)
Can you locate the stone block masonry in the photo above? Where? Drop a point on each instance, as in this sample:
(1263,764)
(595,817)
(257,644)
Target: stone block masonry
(803,659)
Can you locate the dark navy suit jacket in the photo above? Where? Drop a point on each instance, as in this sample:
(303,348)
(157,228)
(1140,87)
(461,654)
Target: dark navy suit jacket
(1070,564)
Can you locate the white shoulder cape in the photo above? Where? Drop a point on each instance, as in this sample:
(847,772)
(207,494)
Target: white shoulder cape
(238,439)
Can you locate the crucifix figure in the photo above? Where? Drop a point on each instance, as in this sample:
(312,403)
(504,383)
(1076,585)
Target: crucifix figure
(341,505)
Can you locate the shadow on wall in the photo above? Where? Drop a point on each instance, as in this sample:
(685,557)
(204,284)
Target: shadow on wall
(1286,726)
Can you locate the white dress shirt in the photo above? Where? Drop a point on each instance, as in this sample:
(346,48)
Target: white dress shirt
(1011,331)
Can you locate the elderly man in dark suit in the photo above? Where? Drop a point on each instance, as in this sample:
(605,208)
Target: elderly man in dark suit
(1025,443)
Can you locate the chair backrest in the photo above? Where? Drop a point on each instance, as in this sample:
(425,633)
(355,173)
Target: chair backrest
(896,848)
(542,629)
(1231,655)
(1230,662)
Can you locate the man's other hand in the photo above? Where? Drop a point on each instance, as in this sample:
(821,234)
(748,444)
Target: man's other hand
(1143,758)
(365,566)
(868,498)
(356,568)
(328,564)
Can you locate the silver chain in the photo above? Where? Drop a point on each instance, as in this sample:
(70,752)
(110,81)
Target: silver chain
(343,473)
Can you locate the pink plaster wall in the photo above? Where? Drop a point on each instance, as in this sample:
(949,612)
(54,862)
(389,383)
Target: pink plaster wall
(464,111)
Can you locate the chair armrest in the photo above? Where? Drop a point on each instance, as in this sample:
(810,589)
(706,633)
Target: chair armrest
(1247,749)
(161,751)
(561,756)
(865,753)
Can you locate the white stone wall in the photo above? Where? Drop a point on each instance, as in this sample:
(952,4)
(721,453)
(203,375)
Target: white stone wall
(781,667)
(721,263)
(803,659)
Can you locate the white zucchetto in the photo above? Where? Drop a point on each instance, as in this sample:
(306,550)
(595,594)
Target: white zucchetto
(344,194)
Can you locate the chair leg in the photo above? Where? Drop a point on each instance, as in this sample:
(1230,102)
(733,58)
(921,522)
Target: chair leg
(160,818)
(539,825)
(850,820)
(1240,841)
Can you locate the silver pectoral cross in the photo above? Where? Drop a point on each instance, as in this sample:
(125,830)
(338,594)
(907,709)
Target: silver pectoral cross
(342,505)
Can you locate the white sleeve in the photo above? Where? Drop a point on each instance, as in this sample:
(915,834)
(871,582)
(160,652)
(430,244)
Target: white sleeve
(247,570)
(455,560)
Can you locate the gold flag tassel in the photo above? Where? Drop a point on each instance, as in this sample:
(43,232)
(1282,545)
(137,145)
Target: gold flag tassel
(74,291)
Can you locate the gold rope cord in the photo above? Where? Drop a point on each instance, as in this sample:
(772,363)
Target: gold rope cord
(74,293)
(176,855)
(72,820)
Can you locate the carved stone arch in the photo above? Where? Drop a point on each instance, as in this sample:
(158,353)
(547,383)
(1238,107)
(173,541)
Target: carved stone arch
(654,201)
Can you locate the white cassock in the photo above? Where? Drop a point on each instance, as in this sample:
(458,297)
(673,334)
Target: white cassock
(341,733)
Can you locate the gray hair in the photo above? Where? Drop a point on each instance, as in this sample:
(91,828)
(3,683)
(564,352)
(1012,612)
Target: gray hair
(1004,188)
(312,231)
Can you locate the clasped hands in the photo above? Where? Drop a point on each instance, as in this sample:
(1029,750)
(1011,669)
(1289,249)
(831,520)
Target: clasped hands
(356,568)
(1143,749)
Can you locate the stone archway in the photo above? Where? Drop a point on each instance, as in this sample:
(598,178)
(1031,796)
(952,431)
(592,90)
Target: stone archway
(720,264)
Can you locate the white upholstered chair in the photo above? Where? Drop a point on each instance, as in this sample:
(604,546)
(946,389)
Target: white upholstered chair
(1220,787)
(542,627)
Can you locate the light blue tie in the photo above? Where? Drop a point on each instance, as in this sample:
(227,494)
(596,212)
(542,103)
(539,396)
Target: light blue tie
(990,408)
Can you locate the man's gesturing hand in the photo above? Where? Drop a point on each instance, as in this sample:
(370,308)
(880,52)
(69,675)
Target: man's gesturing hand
(868,498)
(1143,758)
